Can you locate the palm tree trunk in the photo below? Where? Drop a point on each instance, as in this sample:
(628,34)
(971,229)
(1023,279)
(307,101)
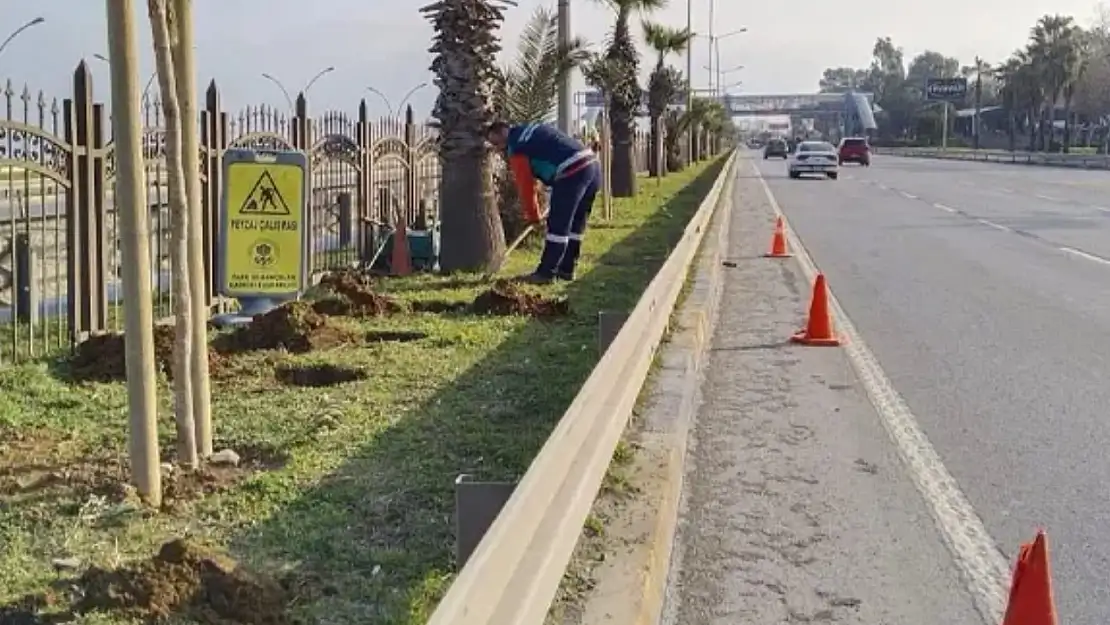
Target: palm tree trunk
(179,244)
(469,213)
(656,166)
(1066,146)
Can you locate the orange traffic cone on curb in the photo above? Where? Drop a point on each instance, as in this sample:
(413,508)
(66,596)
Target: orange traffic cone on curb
(400,262)
(819,326)
(1031,601)
(778,241)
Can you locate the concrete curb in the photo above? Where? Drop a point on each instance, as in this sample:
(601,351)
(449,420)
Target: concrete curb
(675,403)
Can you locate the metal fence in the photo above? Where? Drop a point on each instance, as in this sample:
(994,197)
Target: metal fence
(59,234)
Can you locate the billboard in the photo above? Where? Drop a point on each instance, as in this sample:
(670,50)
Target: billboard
(945,88)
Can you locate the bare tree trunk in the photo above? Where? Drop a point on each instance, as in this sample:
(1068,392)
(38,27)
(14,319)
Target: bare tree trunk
(179,254)
(185,71)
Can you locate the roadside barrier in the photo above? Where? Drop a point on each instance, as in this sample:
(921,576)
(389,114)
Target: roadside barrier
(513,574)
(1043,159)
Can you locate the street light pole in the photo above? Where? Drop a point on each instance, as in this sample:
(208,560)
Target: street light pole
(318,76)
(149,81)
(409,95)
(284,91)
(564,114)
(712,7)
(388,104)
(16,32)
(134,225)
(690,76)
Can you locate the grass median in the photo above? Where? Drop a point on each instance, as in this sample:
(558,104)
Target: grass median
(341,502)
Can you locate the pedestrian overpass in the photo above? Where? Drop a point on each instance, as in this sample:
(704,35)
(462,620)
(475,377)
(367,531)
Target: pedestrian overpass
(854,108)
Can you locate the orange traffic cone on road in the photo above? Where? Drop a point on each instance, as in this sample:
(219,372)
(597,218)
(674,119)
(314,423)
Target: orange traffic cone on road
(1031,600)
(400,262)
(819,326)
(778,241)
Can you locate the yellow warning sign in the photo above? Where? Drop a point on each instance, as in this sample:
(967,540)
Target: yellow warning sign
(264,236)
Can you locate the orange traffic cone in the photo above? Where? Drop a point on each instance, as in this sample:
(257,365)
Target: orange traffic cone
(819,327)
(400,262)
(778,241)
(1031,600)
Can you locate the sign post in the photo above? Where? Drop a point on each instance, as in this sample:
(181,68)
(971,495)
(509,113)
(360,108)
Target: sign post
(264,234)
(945,90)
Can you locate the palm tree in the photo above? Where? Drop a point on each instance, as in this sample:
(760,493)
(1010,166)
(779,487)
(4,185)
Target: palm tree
(529,88)
(625,94)
(528,91)
(1076,60)
(663,85)
(977,70)
(1052,45)
(466,48)
(1009,76)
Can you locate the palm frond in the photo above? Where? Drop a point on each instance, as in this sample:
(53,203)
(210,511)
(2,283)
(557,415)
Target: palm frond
(529,88)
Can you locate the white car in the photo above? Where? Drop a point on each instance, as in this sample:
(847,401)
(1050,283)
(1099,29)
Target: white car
(815,157)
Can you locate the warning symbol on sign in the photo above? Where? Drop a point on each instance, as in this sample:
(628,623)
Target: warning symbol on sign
(265,199)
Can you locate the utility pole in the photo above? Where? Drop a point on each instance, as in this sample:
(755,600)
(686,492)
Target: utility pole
(190,117)
(978,101)
(134,250)
(712,6)
(564,84)
(689,77)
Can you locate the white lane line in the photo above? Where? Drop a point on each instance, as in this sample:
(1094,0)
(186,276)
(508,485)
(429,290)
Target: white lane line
(985,570)
(908,196)
(883,187)
(1047,198)
(1006,190)
(1080,253)
(993,225)
(1101,208)
(947,209)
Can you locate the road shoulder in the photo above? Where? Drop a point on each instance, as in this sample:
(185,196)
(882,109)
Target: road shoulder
(797,507)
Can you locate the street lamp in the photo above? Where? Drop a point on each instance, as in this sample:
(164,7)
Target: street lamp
(149,81)
(715,50)
(285,92)
(409,95)
(389,105)
(16,32)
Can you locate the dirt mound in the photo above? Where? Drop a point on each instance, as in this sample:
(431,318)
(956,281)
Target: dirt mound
(318,375)
(356,296)
(295,327)
(183,579)
(508,298)
(103,357)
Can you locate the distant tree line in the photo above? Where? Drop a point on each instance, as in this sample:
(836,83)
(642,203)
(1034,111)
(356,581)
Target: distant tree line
(1051,95)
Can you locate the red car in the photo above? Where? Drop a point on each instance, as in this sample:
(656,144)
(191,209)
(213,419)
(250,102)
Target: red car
(855,150)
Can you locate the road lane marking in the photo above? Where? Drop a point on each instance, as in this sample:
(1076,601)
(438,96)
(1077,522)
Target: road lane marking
(947,209)
(1081,254)
(993,225)
(908,196)
(985,570)
(1101,208)
(1047,198)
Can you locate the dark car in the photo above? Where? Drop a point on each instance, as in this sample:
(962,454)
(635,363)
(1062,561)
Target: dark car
(855,150)
(776,148)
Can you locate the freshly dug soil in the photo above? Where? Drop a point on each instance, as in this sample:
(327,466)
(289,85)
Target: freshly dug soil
(357,289)
(508,298)
(318,375)
(183,579)
(295,327)
(103,357)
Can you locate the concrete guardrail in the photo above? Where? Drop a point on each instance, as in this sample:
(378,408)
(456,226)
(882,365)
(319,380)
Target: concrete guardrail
(1073,161)
(514,573)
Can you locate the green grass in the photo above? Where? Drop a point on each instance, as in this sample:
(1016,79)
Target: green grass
(355,513)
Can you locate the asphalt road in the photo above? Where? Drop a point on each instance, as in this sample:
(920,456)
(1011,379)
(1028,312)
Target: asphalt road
(984,292)
(797,508)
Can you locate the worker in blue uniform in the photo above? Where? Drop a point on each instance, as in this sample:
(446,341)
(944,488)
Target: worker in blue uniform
(571,170)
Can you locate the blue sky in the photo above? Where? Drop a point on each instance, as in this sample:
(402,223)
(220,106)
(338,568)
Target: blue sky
(383,43)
